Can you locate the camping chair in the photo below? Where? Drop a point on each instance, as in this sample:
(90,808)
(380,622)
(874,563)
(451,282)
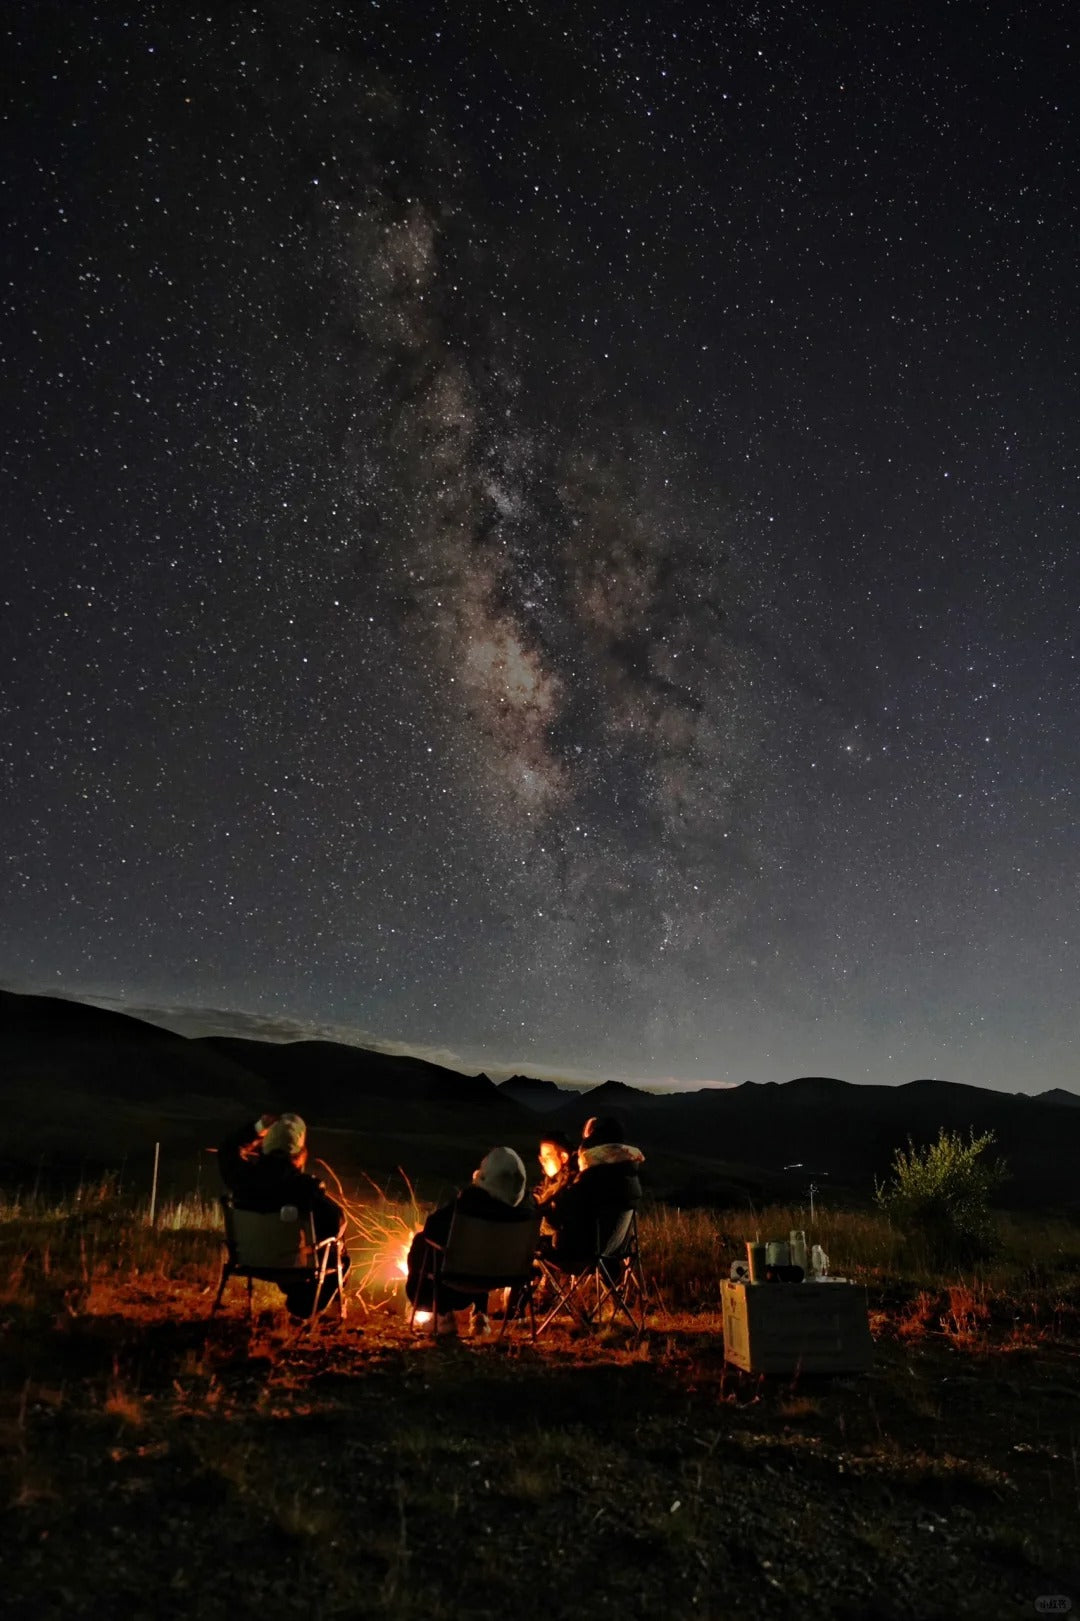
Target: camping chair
(612,1275)
(478,1256)
(279,1247)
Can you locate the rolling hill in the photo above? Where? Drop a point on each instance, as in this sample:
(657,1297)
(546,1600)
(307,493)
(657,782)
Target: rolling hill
(86,1088)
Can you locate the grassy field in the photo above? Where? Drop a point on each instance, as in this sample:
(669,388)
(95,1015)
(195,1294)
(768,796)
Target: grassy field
(159,1464)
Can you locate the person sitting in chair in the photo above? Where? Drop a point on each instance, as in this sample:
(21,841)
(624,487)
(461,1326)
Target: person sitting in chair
(262,1166)
(558,1162)
(583,1217)
(496,1193)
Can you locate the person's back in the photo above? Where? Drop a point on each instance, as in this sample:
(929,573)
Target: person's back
(262,1166)
(608,1184)
(496,1193)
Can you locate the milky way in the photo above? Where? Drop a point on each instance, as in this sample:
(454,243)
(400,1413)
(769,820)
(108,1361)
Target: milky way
(549,534)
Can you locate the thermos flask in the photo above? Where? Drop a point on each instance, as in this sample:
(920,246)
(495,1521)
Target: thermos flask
(755,1260)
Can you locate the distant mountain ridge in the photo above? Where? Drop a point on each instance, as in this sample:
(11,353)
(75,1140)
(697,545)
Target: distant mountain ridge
(71,1070)
(535,1094)
(335,1076)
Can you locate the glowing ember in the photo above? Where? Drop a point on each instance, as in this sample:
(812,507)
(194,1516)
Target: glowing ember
(378,1233)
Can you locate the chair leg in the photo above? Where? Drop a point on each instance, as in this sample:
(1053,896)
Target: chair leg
(435,1281)
(617,1290)
(226,1273)
(613,1289)
(639,1280)
(634,1274)
(412,1303)
(427,1270)
(591,1314)
(342,1304)
(551,1313)
(520,1303)
(565,1299)
(620,1302)
(324,1263)
(515,1298)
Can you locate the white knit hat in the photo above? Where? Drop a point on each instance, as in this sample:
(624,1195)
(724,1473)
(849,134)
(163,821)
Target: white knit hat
(286,1136)
(502,1174)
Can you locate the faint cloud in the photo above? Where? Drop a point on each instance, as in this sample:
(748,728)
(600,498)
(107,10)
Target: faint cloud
(239,1024)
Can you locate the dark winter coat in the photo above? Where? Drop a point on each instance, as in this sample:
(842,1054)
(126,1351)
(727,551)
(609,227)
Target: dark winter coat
(471,1201)
(583,1217)
(265,1182)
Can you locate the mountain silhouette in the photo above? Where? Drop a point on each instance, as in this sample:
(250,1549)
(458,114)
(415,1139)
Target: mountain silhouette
(90,1085)
(334,1079)
(535,1094)
(1058,1094)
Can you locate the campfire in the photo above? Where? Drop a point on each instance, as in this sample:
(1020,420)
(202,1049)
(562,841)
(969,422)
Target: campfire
(378,1232)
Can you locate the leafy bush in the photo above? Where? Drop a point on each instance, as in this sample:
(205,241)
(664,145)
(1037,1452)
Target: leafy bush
(943,1193)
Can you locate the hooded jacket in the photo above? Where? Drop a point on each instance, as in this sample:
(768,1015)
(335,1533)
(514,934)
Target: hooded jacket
(265,1181)
(502,1175)
(496,1193)
(585,1214)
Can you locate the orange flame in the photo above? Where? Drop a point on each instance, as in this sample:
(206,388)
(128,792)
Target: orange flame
(378,1233)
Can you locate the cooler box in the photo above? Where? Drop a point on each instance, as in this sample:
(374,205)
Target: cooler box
(819,1327)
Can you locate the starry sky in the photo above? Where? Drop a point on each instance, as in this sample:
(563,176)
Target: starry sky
(547,533)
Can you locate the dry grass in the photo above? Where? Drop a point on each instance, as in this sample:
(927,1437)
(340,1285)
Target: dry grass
(78,1252)
(315,1467)
(1036,1272)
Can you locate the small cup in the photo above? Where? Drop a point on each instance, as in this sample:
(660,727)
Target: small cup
(755,1260)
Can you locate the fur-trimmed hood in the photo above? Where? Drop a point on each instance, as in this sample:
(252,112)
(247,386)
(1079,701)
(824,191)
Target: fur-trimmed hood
(609,1154)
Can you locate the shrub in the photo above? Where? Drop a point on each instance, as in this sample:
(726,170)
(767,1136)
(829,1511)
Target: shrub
(943,1193)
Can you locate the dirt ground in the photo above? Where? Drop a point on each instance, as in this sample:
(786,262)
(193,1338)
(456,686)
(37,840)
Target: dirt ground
(160,1465)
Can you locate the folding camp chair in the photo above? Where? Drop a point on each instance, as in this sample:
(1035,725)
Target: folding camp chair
(279,1247)
(612,1276)
(478,1256)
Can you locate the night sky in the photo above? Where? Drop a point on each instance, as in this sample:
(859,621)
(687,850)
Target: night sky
(548,533)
